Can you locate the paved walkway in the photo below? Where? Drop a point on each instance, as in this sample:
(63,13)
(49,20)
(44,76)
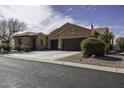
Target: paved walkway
(51,56)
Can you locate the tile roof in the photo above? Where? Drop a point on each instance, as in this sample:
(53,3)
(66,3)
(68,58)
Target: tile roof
(101,30)
(68,25)
(61,29)
(25,33)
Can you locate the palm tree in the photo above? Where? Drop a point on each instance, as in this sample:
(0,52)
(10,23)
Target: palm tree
(108,39)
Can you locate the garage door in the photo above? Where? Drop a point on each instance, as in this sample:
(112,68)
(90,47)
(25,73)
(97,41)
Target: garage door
(72,44)
(54,44)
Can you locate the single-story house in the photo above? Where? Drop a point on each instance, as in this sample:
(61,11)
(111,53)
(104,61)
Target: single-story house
(36,40)
(66,37)
(69,36)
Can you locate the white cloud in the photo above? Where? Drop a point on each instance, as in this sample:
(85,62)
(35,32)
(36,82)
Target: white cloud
(69,9)
(118,30)
(38,18)
(88,7)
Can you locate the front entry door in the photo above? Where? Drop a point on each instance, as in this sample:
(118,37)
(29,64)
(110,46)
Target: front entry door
(54,44)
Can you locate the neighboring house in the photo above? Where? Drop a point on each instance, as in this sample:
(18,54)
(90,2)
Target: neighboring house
(36,40)
(66,37)
(101,30)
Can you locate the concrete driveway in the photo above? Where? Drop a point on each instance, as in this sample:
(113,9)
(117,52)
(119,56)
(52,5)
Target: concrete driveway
(42,55)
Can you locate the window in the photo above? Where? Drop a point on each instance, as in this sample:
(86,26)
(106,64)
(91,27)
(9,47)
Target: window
(20,41)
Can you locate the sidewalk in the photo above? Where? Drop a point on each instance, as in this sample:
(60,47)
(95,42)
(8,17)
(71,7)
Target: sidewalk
(102,68)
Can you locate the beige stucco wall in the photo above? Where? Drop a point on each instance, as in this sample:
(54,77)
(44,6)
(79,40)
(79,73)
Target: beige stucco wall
(75,32)
(54,34)
(12,43)
(28,40)
(71,32)
(39,45)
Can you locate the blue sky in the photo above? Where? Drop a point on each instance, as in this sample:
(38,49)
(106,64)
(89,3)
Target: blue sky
(102,15)
(110,16)
(46,18)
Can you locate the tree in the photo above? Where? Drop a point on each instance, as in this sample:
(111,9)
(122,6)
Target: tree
(92,46)
(108,39)
(7,28)
(120,43)
(3,30)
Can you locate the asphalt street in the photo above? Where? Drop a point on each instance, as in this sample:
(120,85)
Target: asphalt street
(33,74)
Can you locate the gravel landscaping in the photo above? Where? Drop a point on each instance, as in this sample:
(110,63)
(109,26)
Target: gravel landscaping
(113,60)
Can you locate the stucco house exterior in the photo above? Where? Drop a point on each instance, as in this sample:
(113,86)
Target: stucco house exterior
(66,37)
(69,36)
(36,40)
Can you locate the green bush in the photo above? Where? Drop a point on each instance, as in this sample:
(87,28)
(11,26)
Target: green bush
(108,48)
(120,43)
(86,53)
(27,48)
(18,48)
(5,47)
(92,46)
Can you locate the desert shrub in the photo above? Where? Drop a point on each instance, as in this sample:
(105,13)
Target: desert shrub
(92,46)
(86,53)
(120,43)
(108,48)
(5,47)
(27,48)
(18,48)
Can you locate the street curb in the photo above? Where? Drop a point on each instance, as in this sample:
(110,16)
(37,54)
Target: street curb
(102,68)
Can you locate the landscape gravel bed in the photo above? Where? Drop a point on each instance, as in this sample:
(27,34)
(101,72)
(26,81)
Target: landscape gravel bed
(113,60)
